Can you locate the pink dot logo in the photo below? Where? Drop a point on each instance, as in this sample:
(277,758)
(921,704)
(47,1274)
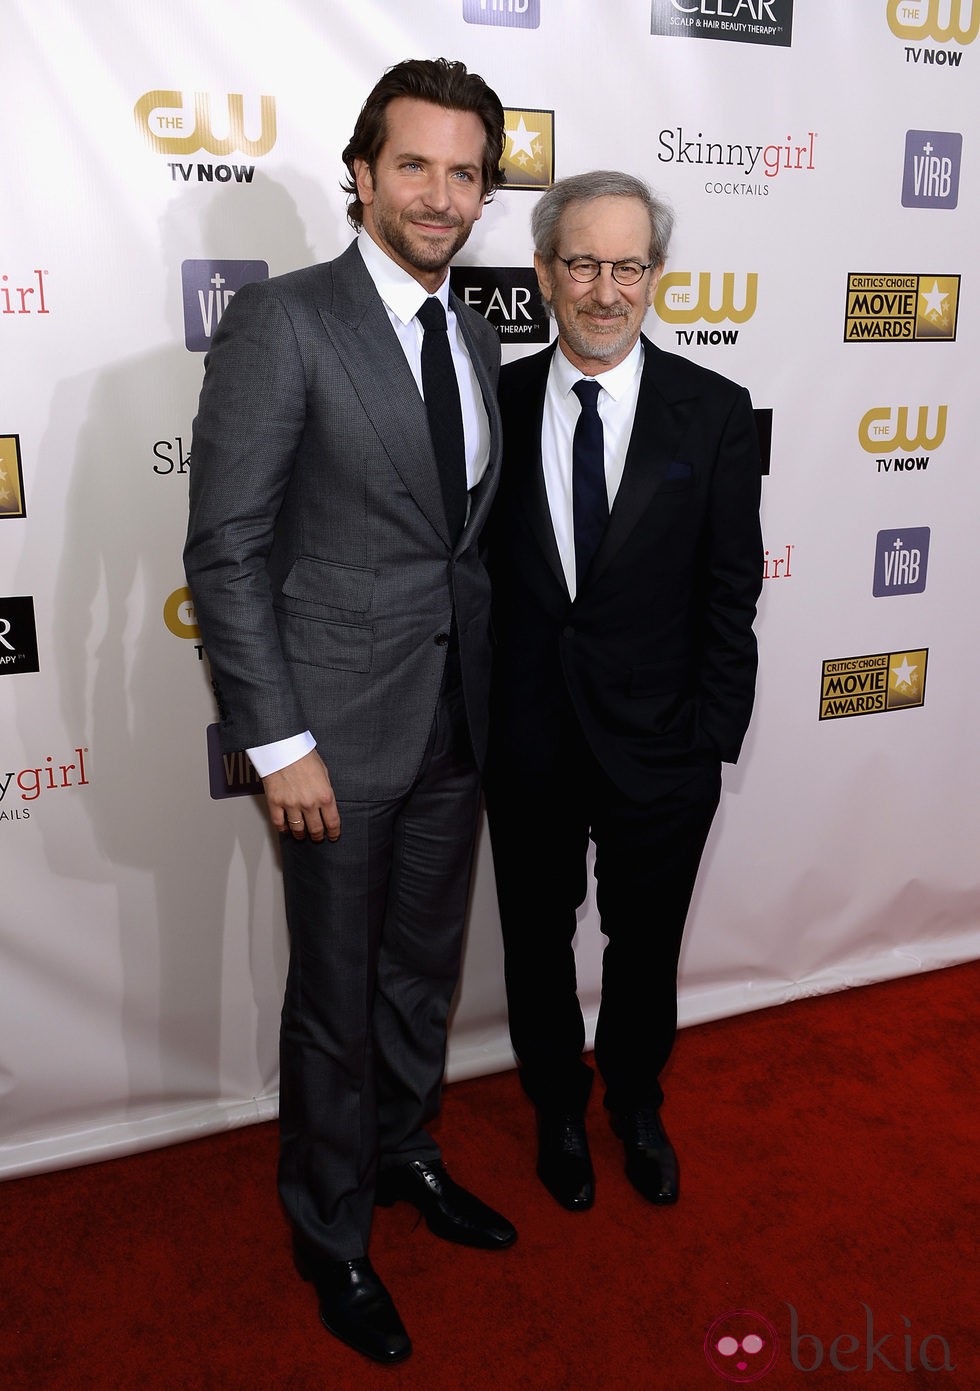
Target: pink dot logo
(741,1346)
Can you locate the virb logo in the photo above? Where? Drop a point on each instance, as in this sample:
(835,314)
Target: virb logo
(208,286)
(508,14)
(932,169)
(901,558)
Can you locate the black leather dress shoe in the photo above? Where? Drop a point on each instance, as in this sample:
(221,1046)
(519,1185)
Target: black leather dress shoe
(449,1210)
(651,1164)
(357,1309)
(564,1162)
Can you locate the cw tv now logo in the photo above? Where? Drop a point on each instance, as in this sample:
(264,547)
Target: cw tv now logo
(938,20)
(677,302)
(884,430)
(170,128)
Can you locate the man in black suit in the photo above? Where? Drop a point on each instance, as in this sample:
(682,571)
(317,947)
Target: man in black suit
(346,453)
(626,560)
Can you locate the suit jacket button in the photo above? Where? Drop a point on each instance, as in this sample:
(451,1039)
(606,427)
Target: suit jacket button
(568,631)
(442,639)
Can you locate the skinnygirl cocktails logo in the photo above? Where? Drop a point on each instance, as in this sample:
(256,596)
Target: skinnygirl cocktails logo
(22,788)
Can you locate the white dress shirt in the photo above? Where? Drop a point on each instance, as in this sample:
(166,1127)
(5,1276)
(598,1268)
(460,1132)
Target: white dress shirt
(617,408)
(403,297)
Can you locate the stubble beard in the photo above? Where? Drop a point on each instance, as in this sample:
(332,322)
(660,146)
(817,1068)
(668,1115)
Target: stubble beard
(413,248)
(593,346)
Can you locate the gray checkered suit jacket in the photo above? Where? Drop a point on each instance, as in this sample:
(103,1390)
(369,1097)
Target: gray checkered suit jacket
(318,555)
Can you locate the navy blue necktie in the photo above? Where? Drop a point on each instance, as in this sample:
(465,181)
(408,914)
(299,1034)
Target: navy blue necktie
(441,392)
(590,504)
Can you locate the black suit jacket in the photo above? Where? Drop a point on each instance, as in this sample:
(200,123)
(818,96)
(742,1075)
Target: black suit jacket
(656,653)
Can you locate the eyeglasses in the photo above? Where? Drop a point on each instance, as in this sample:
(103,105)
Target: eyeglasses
(586,268)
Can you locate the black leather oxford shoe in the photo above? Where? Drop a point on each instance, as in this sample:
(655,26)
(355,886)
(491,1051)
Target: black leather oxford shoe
(357,1309)
(564,1162)
(651,1164)
(449,1211)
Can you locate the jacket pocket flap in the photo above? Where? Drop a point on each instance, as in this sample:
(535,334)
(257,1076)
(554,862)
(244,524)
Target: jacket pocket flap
(314,581)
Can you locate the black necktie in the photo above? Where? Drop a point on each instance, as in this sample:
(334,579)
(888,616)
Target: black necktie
(441,392)
(590,505)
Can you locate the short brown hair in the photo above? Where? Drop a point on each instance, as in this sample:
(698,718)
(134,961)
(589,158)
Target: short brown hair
(443,83)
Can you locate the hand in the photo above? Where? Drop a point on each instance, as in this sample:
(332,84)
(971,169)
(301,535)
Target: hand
(301,800)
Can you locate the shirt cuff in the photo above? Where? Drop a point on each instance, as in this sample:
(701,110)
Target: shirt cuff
(270,758)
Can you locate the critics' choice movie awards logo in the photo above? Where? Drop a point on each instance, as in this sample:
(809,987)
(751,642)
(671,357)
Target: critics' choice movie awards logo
(901,558)
(943,21)
(172,125)
(18,636)
(508,14)
(741,21)
(229,774)
(507,297)
(529,148)
(12,502)
(715,299)
(759,161)
(909,308)
(743,1346)
(873,685)
(207,287)
(26,785)
(883,430)
(932,169)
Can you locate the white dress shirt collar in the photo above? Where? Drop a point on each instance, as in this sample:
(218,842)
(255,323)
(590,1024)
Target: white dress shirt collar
(617,381)
(401,292)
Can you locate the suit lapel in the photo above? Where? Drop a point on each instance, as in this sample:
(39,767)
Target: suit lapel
(525,414)
(482,495)
(368,349)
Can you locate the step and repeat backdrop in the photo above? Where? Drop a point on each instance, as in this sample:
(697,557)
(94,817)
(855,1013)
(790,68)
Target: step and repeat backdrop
(822,159)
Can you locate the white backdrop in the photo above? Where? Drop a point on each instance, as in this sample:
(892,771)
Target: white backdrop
(143,942)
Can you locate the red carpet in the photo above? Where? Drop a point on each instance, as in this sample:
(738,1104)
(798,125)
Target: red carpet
(829,1155)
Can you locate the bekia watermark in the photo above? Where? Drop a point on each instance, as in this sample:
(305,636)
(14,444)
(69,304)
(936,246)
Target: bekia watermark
(743,1346)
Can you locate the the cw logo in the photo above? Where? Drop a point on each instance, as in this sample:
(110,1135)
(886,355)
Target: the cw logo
(675,303)
(881,430)
(919,19)
(179,616)
(167,105)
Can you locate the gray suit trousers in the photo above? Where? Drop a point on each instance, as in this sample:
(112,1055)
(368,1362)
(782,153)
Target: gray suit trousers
(376,922)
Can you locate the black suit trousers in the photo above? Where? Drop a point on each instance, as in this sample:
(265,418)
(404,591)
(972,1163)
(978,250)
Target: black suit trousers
(376,923)
(646,863)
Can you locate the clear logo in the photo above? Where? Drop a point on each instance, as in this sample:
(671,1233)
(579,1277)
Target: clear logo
(507,297)
(18,636)
(738,21)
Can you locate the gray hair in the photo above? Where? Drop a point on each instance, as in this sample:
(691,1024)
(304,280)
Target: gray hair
(600,183)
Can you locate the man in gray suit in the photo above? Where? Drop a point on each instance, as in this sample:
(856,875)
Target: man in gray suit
(345,456)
